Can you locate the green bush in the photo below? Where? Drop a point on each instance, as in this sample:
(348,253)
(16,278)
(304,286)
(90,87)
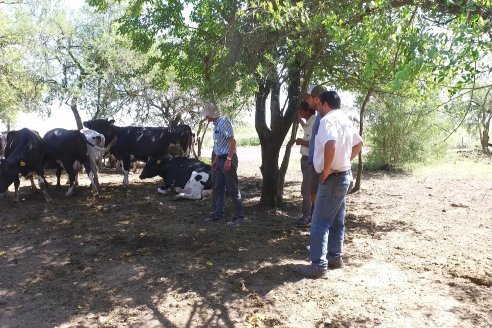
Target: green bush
(401,133)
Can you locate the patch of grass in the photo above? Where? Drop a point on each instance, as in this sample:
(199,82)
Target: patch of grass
(470,162)
(245,135)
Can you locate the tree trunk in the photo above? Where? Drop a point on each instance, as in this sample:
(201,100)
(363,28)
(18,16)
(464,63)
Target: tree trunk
(362,113)
(200,135)
(75,111)
(485,140)
(271,139)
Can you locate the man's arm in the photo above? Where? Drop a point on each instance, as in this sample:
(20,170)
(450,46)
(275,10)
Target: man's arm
(329,155)
(232,147)
(355,150)
(302,142)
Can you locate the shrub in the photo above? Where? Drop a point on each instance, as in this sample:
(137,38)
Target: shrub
(401,133)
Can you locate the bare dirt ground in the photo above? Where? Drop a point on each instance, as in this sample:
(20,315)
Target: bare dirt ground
(418,253)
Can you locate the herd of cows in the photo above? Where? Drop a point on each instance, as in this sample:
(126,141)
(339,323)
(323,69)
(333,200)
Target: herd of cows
(24,153)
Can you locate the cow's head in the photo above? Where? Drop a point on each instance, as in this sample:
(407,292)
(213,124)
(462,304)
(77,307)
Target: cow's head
(155,167)
(102,125)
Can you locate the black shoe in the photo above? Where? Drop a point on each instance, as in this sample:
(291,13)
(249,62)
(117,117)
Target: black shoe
(214,219)
(303,222)
(235,222)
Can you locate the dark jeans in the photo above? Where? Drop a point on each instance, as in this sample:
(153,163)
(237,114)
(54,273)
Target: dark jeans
(227,181)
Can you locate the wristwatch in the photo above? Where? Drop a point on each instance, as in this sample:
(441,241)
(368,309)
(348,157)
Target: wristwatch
(229,159)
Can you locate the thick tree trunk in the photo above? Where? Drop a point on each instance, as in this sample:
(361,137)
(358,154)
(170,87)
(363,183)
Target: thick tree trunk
(271,138)
(270,195)
(358,177)
(485,141)
(75,111)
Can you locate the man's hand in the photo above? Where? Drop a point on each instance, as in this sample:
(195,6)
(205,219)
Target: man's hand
(299,141)
(324,175)
(227,165)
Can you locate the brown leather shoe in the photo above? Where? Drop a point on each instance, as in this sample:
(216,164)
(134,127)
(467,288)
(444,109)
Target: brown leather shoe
(335,263)
(312,272)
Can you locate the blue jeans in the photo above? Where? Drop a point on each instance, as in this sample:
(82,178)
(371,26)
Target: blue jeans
(230,180)
(328,221)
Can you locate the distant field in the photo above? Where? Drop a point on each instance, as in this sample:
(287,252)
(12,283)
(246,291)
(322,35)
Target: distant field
(245,136)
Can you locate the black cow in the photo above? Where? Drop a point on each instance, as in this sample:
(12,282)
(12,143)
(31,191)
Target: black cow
(177,172)
(62,149)
(3,142)
(140,143)
(23,155)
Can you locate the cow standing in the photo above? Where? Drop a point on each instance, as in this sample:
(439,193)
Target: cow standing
(96,150)
(62,148)
(140,143)
(23,155)
(3,142)
(187,176)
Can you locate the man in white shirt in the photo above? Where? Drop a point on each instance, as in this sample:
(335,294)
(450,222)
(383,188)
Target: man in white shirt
(336,144)
(309,176)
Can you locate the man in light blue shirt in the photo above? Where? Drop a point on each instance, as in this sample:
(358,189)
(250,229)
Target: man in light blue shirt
(224,166)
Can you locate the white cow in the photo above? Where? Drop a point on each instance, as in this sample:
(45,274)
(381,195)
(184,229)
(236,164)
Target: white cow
(197,187)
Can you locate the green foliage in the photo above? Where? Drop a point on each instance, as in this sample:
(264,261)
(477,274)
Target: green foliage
(246,135)
(403,132)
(20,88)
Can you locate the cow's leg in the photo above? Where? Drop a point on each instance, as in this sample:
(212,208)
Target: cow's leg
(71,178)
(125,166)
(95,171)
(16,192)
(90,174)
(42,186)
(59,169)
(165,189)
(184,195)
(31,178)
(76,167)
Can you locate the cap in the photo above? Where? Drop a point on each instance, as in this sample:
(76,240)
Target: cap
(315,90)
(209,110)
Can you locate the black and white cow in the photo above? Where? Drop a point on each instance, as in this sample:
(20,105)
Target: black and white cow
(189,177)
(198,186)
(140,143)
(62,149)
(23,155)
(96,150)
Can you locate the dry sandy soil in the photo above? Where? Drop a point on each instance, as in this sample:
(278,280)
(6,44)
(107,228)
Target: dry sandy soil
(418,253)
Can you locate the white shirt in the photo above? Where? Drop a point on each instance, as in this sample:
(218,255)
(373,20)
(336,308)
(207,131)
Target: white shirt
(308,129)
(335,126)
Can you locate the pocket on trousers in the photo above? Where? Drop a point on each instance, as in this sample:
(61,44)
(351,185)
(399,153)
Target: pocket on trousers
(340,190)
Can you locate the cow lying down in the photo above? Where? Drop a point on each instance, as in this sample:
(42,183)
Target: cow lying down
(190,178)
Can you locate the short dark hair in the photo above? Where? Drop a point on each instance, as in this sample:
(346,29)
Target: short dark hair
(304,105)
(331,98)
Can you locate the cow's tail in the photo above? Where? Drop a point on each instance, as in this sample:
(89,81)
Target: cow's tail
(105,149)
